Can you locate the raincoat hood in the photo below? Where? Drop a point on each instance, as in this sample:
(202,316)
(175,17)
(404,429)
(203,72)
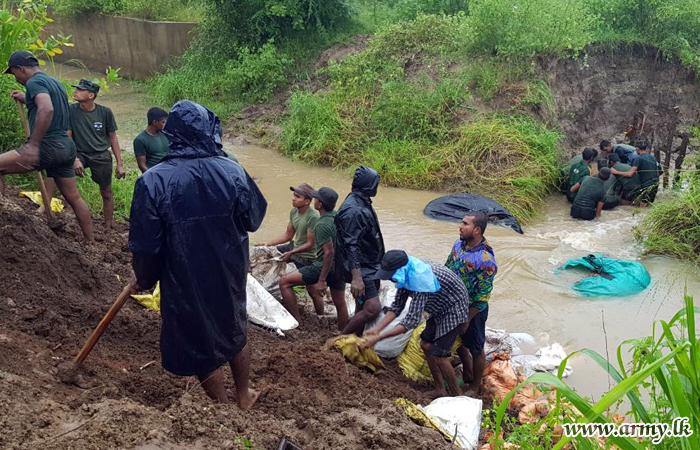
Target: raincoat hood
(193,131)
(366,181)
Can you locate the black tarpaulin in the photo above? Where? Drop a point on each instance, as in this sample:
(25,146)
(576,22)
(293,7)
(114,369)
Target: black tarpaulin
(453,208)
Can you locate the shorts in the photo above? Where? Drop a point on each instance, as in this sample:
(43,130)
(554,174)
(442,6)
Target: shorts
(371,290)
(475,337)
(298,261)
(311,273)
(442,347)
(647,194)
(611,205)
(582,213)
(56,156)
(100,165)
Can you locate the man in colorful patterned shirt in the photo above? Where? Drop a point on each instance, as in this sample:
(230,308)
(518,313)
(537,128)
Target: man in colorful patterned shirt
(473,260)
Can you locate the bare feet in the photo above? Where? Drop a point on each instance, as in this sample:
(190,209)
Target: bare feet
(247,401)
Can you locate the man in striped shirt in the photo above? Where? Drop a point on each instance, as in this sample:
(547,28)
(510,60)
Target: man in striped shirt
(435,289)
(473,260)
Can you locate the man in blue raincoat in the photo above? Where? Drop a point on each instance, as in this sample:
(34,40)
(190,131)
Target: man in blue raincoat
(190,219)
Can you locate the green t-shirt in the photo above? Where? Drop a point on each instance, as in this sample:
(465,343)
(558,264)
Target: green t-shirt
(578,171)
(628,184)
(612,190)
(648,170)
(590,193)
(91,128)
(302,224)
(324,232)
(40,83)
(154,148)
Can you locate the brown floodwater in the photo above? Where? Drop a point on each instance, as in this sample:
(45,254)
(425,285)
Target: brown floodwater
(528,295)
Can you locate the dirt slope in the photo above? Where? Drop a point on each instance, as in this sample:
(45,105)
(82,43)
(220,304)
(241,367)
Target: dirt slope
(55,290)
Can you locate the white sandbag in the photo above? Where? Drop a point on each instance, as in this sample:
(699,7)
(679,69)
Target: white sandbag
(499,341)
(524,364)
(265,310)
(461,413)
(267,268)
(523,338)
(391,347)
(550,358)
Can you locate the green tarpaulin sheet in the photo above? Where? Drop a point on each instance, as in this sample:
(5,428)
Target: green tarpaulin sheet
(611,277)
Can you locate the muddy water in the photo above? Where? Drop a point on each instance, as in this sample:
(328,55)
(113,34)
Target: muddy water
(528,295)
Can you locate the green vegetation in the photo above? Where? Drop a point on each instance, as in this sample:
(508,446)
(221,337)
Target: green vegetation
(402,107)
(673,225)
(167,10)
(661,383)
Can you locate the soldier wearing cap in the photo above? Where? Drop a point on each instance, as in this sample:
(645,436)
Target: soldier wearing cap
(94,131)
(48,147)
(322,273)
(298,240)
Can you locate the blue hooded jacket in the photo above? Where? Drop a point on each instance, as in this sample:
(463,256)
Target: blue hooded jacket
(190,219)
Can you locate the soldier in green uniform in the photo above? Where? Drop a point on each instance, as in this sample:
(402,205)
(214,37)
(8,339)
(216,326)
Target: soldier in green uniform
(48,147)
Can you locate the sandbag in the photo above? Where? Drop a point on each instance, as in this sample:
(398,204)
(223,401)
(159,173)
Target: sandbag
(150,301)
(264,310)
(447,415)
(453,208)
(267,268)
(349,347)
(412,360)
(391,347)
(35,197)
(611,277)
(547,359)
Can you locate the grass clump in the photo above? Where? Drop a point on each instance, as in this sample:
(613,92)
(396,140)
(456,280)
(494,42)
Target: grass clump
(672,227)
(402,107)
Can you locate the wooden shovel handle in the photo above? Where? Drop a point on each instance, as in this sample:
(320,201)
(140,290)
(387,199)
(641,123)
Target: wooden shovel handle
(102,326)
(40,179)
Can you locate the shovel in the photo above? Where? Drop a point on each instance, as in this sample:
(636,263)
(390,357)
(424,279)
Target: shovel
(67,372)
(44,196)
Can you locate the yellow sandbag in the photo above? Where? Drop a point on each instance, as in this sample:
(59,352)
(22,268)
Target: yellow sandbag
(35,197)
(349,346)
(421,418)
(150,301)
(412,360)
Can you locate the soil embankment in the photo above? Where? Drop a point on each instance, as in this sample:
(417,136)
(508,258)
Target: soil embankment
(55,290)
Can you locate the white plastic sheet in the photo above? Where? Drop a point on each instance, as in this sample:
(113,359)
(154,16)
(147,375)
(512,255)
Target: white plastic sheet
(391,347)
(547,359)
(461,413)
(265,310)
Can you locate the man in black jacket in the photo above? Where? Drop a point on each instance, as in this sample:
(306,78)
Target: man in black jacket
(190,220)
(361,247)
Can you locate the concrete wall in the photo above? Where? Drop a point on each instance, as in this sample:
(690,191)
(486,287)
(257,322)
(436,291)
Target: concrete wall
(139,47)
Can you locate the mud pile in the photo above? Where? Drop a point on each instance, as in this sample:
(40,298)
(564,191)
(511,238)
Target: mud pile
(54,292)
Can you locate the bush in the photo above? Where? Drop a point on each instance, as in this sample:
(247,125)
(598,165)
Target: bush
(528,27)
(224,85)
(672,227)
(255,22)
(175,10)
(11,133)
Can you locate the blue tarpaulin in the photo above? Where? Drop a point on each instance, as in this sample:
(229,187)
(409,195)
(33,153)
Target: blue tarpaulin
(611,277)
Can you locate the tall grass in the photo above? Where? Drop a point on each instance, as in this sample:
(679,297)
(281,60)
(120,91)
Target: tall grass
(665,372)
(672,227)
